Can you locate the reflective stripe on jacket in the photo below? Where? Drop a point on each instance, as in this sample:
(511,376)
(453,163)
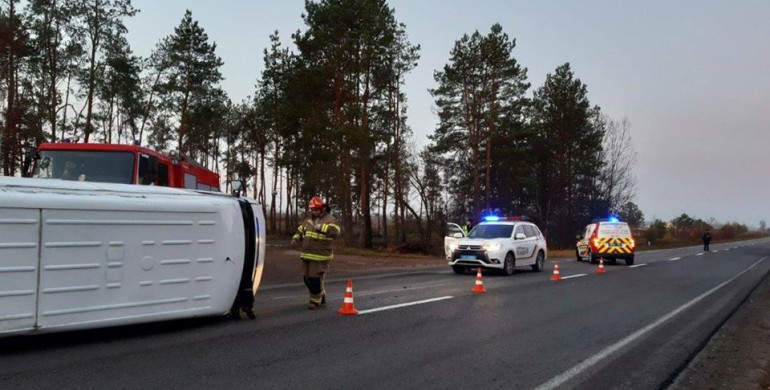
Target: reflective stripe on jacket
(317,234)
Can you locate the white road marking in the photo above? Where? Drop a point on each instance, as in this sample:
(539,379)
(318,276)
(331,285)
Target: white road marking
(404,304)
(716,250)
(574,276)
(699,254)
(601,355)
(638,265)
(373,292)
(402,289)
(674,259)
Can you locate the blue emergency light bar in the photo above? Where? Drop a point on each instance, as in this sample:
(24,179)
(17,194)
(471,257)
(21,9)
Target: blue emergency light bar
(491,218)
(614,219)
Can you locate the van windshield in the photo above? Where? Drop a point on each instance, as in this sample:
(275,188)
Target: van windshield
(95,166)
(491,231)
(614,230)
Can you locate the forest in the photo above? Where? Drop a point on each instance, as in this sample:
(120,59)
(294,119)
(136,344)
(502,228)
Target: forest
(328,117)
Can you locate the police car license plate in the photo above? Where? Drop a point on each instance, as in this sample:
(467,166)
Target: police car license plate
(468,257)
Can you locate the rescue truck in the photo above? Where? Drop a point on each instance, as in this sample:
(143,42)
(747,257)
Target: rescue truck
(609,239)
(500,243)
(117,163)
(78,255)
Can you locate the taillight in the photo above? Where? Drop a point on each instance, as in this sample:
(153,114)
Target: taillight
(595,243)
(631,243)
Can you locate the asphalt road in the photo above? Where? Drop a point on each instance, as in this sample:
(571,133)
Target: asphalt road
(631,327)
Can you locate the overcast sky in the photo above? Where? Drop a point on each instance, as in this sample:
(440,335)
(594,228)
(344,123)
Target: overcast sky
(693,77)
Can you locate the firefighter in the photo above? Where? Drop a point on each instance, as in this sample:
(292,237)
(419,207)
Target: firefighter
(316,234)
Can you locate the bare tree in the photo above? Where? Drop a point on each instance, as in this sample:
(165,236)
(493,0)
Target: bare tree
(617,179)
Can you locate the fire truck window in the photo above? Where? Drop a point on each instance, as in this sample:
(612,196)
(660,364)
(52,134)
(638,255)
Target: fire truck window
(190,181)
(94,166)
(163,175)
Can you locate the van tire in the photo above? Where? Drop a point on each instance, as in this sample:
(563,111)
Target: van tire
(630,260)
(577,255)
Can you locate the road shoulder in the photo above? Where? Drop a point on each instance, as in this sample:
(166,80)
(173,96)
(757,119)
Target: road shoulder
(737,356)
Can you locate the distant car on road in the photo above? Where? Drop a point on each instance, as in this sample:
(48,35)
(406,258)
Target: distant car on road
(608,239)
(497,243)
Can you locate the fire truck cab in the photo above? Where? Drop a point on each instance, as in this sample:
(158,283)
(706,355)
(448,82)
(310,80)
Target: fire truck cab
(125,164)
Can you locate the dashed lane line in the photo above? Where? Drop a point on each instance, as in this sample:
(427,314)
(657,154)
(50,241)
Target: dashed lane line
(404,305)
(573,276)
(638,265)
(674,259)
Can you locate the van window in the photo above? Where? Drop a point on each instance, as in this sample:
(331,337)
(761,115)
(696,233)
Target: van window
(612,230)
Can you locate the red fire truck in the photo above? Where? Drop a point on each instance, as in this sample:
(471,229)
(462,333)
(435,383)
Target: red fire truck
(126,164)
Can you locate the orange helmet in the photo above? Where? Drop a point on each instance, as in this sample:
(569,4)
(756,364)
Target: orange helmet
(316,203)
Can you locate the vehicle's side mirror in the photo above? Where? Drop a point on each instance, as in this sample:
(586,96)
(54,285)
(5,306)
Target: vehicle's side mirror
(457,235)
(520,236)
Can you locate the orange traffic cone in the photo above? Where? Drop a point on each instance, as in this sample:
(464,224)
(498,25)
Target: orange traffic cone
(601,266)
(479,286)
(556,275)
(347,304)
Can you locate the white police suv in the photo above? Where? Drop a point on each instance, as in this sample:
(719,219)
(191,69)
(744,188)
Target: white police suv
(497,243)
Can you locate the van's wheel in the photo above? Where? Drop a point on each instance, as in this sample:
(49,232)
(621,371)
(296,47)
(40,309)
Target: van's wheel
(577,255)
(509,264)
(593,258)
(459,269)
(539,262)
(630,261)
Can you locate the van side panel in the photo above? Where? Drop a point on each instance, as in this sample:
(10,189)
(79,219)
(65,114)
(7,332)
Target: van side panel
(123,266)
(19,230)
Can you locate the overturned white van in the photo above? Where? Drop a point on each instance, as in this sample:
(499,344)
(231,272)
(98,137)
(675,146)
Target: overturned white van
(76,255)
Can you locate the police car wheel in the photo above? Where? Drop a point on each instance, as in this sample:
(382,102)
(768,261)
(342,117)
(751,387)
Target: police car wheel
(539,262)
(459,269)
(508,264)
(577,256)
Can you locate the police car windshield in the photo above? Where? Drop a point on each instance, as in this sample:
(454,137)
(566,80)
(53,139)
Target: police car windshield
(491,231)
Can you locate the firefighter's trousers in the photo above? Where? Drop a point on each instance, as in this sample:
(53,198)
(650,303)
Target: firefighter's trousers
(313,273)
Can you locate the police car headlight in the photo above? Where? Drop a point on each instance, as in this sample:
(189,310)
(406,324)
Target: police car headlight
(452,246)
(491,246)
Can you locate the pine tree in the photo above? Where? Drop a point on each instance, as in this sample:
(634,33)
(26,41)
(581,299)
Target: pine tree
(569,150)
(190,78)
(99,22)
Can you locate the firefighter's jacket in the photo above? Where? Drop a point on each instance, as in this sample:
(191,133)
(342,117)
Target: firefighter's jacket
(317,234)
